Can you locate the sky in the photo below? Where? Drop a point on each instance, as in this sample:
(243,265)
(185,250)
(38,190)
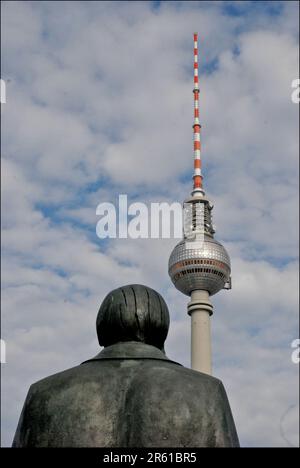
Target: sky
(99,103)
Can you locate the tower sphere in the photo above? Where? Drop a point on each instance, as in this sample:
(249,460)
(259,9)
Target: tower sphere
(195,265)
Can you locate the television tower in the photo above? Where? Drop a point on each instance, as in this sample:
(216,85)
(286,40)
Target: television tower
(199,266)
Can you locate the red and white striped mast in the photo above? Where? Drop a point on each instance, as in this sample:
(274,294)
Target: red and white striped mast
(197,189)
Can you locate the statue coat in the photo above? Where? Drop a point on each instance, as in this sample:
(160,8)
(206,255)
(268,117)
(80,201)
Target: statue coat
(129,395)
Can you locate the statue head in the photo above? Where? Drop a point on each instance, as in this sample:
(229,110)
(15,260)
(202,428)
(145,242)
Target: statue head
(133,313)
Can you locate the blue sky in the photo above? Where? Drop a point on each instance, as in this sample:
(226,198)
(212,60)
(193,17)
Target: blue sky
(99,102)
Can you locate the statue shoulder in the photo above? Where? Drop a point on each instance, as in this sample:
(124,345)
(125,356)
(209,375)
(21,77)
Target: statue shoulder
(56,381)
(180,373)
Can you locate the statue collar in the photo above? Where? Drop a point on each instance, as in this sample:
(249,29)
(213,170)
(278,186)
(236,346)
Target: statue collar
(131,350)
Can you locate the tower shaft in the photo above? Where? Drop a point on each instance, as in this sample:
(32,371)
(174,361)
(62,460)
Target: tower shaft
(200,309)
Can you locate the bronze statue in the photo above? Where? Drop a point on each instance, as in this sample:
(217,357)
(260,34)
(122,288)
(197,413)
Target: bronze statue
(130,394)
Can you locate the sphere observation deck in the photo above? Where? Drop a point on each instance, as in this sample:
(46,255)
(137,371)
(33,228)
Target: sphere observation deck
(199,262)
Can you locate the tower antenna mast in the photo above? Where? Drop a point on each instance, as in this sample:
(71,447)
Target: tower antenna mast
(197,127)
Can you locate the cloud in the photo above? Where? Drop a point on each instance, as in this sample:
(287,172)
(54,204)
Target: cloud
(99,102)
